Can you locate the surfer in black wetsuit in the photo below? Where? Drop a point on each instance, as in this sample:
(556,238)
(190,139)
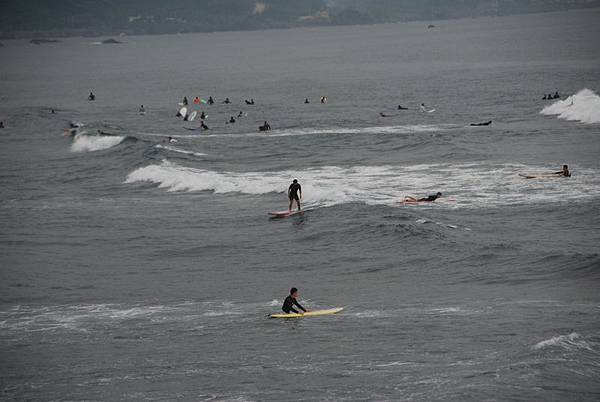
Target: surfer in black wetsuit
(185,101)
(291,301)
(487,123)
(210,100)
(265,127)
(91,96)
(1,124)
(306,100)
(202,116)
(231,120)
(203,126)
(400,107)
(227,101)
(293,191)
(564,172)
(430,198)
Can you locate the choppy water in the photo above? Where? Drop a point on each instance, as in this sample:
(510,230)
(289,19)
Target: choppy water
(134,268)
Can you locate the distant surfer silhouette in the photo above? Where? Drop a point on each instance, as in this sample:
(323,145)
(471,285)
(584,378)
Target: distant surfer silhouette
(430,198)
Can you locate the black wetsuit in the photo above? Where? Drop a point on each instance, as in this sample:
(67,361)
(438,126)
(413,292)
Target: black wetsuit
(431,198)
(289,303)
(293,191)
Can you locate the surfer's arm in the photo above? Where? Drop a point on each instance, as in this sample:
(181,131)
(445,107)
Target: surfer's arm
(299,306)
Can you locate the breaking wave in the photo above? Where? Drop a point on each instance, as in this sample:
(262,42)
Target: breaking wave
(583,106)
(466,185)
(571,341)
(91,143)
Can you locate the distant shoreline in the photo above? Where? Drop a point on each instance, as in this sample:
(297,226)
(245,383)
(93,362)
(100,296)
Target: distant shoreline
(80,33)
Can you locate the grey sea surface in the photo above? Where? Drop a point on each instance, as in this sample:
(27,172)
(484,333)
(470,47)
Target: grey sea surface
(138,269)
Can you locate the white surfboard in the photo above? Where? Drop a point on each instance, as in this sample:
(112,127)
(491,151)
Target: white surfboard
(192,116)
(314,313)
(183,111)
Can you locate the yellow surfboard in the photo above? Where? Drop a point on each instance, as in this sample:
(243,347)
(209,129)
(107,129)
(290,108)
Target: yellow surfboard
(313,313)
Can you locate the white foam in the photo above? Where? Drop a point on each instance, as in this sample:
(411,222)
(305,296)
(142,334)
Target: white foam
(470,185)
(91,143)
(583,106)
(394,364)
(571,341)
(179,150)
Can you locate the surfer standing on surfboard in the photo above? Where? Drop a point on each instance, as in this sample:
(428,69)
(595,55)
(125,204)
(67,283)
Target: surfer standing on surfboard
(290,301)
(293,191)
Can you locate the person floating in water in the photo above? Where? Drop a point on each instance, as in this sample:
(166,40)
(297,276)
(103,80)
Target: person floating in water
(423,108)
(383,114)
(306,100)
(250,102)
(294,194)
(240,114)
(203,126)
(291,301)
(487,123)
(227,101)
(171,140)
(142,110)
(323,99)
(210,100)
(265,127)
(430,198)
(564,172)
(91,97)
(1,124)
(52,111)
(231,120)
(202,115)
(400,107)
(196,101)
(185,101)
(545,97)
(556,95)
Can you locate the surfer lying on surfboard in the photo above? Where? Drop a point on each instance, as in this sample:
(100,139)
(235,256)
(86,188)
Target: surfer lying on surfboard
(293,191)
(291,301)
(562,173)
(430,198)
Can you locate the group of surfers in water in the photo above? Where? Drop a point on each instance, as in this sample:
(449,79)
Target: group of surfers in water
(294,191)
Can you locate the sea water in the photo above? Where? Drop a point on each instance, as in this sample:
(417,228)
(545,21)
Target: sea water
(135,268)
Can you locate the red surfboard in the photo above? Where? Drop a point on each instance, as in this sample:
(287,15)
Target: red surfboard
(285,214)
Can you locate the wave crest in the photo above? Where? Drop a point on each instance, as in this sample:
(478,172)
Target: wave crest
(91,143)
(583,106)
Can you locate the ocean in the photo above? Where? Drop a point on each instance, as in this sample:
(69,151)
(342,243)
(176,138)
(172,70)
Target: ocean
(138,268)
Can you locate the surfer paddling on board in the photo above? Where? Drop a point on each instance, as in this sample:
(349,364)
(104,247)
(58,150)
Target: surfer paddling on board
(430,198)
(291,301)
(564,172)
(293,191)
